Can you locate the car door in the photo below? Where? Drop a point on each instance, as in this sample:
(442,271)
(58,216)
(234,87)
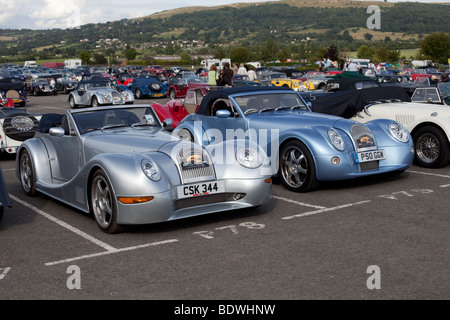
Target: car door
(83,95)
(65,152)
(219,129)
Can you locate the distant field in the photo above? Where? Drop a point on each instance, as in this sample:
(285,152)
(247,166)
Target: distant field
(408,53)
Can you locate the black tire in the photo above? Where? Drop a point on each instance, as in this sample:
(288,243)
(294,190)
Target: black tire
(139,94)
(1,212)
(65,90)
(72,102)
(172,94)
(103,204)
(20,126)
(26,174)
(186,135)
(297,170)
(94,102)
(432,149)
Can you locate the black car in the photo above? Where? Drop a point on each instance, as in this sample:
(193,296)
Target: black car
(13,88)
(240,80)
(42,86)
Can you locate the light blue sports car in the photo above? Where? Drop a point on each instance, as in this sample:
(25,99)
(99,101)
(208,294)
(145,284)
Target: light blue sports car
(304,147)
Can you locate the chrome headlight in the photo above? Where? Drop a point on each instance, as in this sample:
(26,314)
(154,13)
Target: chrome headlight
(336,139)
(151,170)
(399,132)
(249,158)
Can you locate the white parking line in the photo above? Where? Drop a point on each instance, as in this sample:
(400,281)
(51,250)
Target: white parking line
(325,210)
(430,174)
(109,249)
(64,225)
(298,203)
(110,252)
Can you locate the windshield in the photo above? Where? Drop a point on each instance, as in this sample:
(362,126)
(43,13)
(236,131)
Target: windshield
(444,88)
(272,101)
(118,117)
(96,85)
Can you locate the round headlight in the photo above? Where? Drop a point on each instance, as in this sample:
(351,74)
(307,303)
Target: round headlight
(399,132)
(151,170)
(336,139)
(248,158)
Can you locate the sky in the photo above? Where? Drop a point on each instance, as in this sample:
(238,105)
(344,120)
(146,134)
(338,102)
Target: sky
(52,14)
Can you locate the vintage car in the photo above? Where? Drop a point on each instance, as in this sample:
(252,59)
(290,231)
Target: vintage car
(178,87)
(427,122)
(119,163)
(98,92)
(155,69)
(41,86)
(4,196)
(317,80)
(349,80)
(304,147)
(439,94)
(16,126)
(148,87)
(240,80)
(14,89)
(294,84)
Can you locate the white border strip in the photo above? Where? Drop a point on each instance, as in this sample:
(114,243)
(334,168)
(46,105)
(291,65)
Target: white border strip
(430,174)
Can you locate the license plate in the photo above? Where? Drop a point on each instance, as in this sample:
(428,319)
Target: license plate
(16,100)
(369,156)
(157,94)
(200,189)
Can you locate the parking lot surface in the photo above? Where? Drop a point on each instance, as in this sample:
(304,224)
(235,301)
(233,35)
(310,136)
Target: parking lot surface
(383,237)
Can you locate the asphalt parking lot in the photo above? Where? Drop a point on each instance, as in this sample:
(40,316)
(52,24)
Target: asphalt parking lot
(375,238)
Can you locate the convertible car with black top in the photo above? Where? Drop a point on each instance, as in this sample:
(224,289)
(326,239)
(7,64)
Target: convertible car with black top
(304,147)
(120,164)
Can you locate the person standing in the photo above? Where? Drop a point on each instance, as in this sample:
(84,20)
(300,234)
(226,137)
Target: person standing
(251,73)
(227,75)
(235,68)
(213,75)
(242,70)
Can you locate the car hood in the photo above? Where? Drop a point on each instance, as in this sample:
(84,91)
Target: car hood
(123,140)
(286,120)
(102,90)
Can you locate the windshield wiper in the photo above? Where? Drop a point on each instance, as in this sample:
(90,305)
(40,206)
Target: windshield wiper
(141,124)
(110,126)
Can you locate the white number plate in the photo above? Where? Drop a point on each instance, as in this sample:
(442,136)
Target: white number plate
(200,189)
(369,156)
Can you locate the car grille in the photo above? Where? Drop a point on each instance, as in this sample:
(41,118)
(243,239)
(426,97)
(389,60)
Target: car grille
(194,165)
(364,140)
(47,88)
(196,201)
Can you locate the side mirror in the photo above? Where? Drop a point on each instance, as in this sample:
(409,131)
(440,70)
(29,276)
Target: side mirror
(56,131)
(167,123)
(223,114)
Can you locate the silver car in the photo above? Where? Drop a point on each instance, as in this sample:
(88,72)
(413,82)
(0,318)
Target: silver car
(98,92)
(120,164)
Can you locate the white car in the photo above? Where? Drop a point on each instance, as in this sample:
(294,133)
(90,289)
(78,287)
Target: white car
(16,125)
(428,123)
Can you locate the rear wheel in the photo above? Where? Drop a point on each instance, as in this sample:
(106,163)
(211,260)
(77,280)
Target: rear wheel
(26,174)
(138,94)
(432,148)
(172,94)
(297,170)
(103,204)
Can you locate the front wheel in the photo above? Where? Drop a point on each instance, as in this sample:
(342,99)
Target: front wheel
(297,170)
(94,102)
(138,94)
(27,179)
(432,148)
(103,204)
(72,102)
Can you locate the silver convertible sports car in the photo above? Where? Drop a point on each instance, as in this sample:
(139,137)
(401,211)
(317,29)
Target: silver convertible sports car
(304,147)
(94,93)
(119,163)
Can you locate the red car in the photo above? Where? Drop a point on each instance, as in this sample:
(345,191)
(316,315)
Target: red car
(178,109)
(155,70)
(179,87)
